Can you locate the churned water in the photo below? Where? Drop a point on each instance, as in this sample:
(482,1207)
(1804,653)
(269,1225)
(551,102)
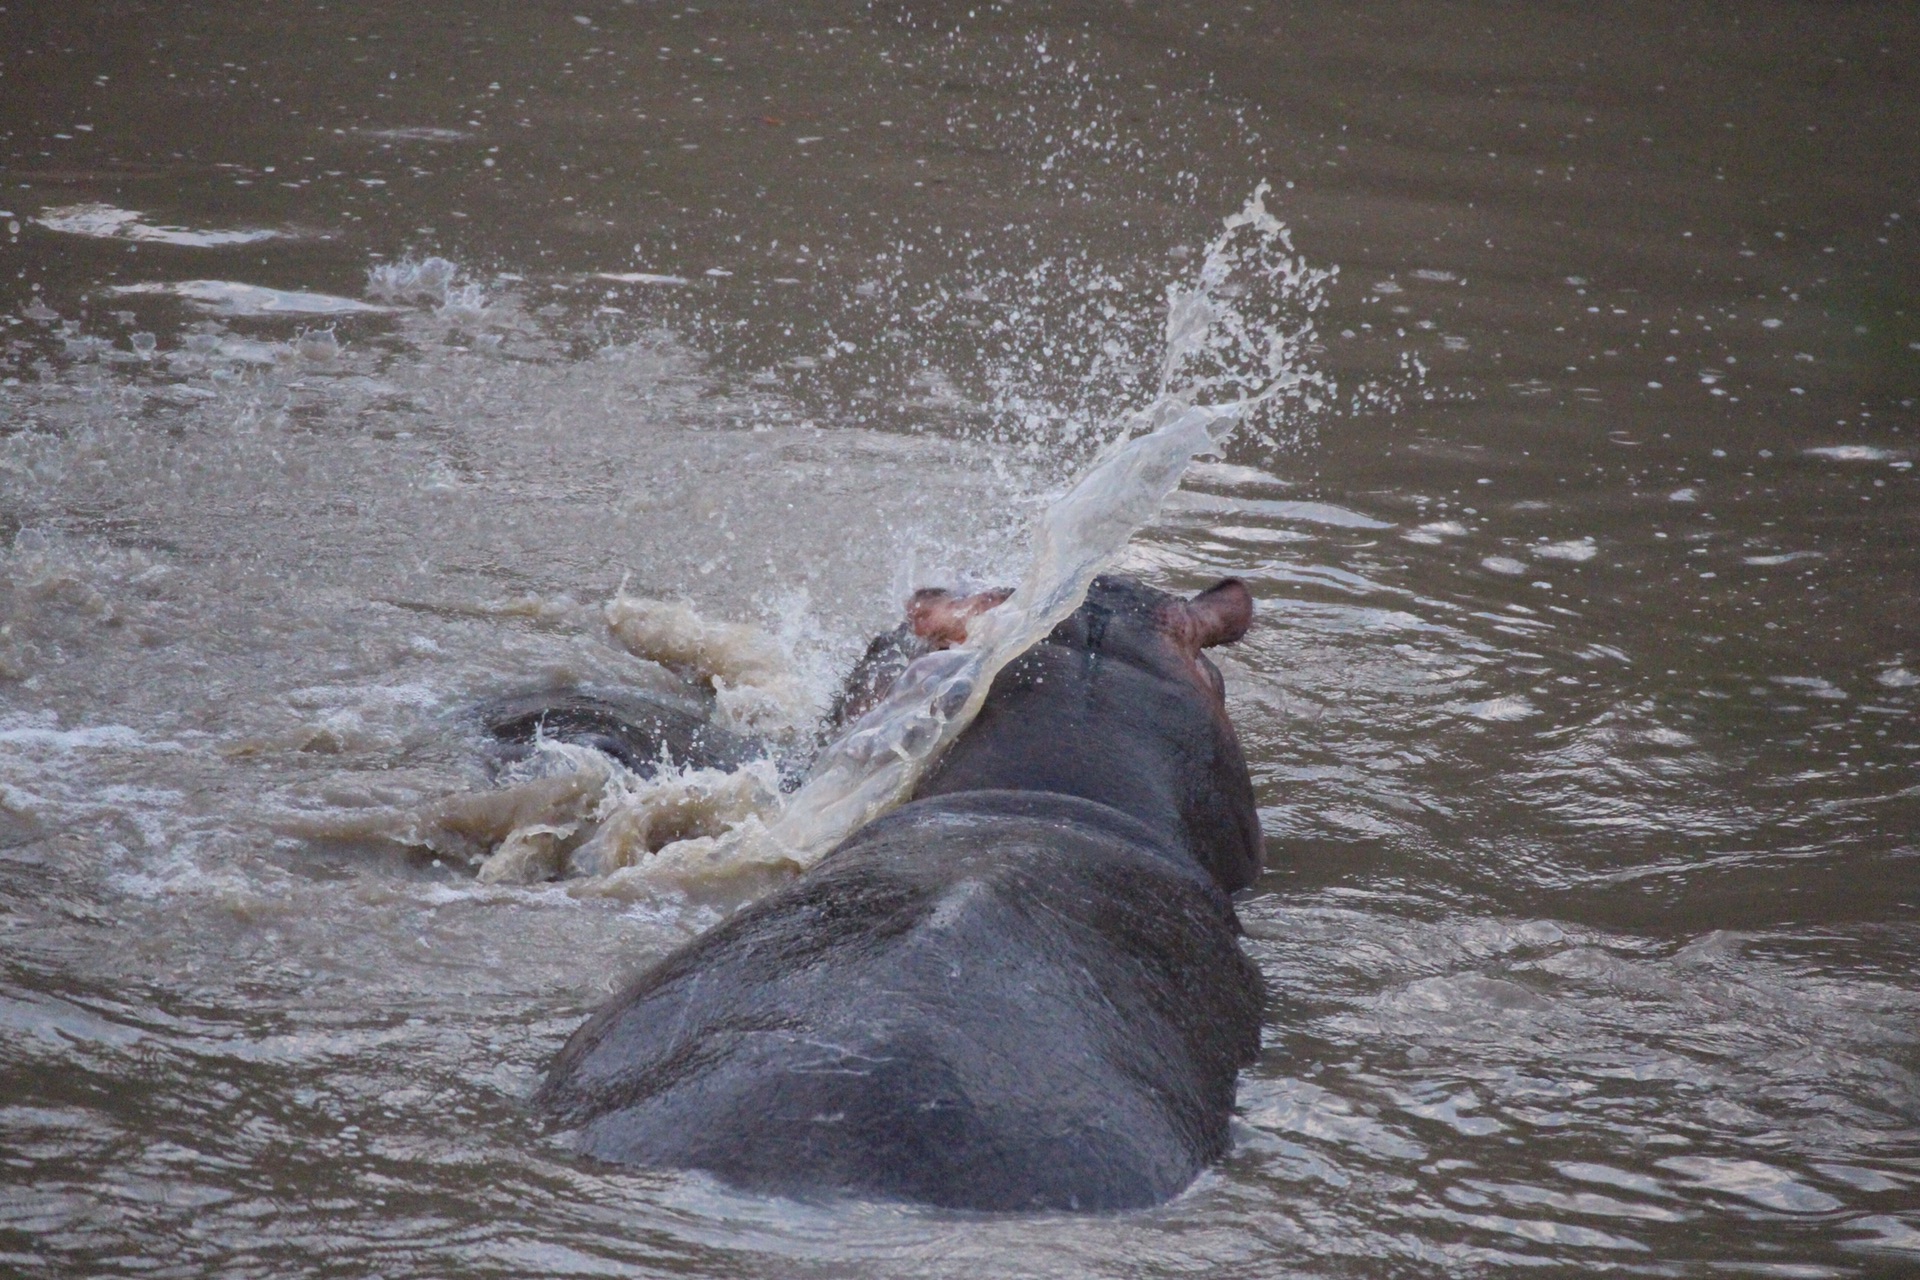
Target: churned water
(361,365)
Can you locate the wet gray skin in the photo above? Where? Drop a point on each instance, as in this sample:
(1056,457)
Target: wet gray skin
(1581,709)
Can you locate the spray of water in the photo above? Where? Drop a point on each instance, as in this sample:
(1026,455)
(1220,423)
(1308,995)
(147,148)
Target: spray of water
(1235,350)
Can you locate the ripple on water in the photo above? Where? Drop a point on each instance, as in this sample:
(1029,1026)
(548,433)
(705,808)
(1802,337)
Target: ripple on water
(1676,1061)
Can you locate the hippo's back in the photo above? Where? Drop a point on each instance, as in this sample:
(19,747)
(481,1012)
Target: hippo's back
(993,1001)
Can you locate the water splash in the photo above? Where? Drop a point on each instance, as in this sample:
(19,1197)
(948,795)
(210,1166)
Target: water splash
(407,280)
(1234,351)
(105,222)
(757,693)
(1239,335)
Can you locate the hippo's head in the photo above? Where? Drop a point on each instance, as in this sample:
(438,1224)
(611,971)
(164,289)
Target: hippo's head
(1120,705)
(1125,619)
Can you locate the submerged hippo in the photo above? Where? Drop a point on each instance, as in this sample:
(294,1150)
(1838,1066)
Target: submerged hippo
(644,730)
(1022,990)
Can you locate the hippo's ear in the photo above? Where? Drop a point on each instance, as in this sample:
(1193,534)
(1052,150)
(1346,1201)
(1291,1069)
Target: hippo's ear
(940,618)
(1219,615)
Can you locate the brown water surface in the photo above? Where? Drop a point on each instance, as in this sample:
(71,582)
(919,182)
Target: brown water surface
(1582,700)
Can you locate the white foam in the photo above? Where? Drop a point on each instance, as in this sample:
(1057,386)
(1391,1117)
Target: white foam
(1853,453)
(408,280)
(756,690)
(1254,533)
(88,738)
(1229,475)
(639,277)
(1578,550)
(637,817)
(230,298)
(105,222)
(467,303)
(1784,557)
(1500,710)
(1279,509)
(1504,564)
(417,133)
(1434,532)
(1816,686)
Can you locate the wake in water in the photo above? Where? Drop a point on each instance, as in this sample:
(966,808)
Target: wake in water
(1234,359)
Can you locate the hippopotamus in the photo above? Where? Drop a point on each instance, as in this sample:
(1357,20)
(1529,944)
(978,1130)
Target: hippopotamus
(642,729)
(1022,990)
(672,726)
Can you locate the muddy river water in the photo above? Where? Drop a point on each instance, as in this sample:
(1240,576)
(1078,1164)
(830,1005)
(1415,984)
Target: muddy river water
(354,357)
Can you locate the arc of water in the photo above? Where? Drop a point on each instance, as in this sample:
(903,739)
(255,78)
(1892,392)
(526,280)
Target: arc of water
(877,763)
